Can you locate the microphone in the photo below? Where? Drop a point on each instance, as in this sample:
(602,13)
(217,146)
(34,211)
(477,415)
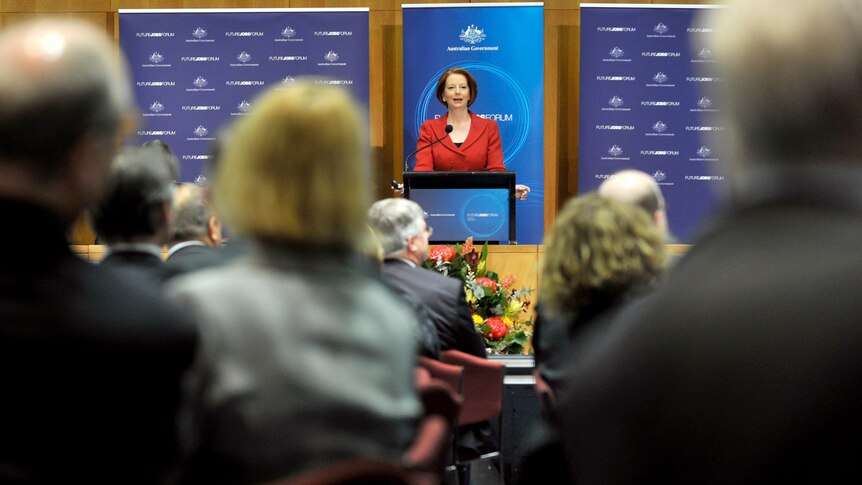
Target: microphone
(449,129)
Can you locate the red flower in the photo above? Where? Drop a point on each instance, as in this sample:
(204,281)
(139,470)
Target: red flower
(487,283)
(442,253)
(498,328)
(472,258)
(468,246)
(508,281)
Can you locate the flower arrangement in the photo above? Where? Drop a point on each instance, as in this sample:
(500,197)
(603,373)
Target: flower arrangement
(500,312)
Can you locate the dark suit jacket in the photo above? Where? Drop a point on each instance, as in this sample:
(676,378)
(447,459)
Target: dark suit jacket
(444,298)
(480,152)
(195,257)
(429,340)
(138,264)
(745,366)
(90,364)
(557,341)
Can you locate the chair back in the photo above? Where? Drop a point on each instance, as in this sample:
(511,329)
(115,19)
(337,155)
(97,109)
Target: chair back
(439,399)
(421,376)
(428,456)
(482,387)
(448,373)
(432,449)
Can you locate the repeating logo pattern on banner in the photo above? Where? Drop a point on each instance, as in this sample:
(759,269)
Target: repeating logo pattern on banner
(502,47)
(643,105)
(197,72)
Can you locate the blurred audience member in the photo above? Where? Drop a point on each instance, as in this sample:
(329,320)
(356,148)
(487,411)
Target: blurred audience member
(134,216)
(429,341)
(232,244)
(159,144)
(307,358)
(745,366)
(166,149)
(600,254)
(90,363)
(195,231)
(400,224)
(640,189)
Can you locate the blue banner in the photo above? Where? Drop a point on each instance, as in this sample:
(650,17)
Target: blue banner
(503,48)
(196,71)
(643,105)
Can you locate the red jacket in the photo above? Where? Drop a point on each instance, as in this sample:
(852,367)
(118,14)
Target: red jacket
(480,152)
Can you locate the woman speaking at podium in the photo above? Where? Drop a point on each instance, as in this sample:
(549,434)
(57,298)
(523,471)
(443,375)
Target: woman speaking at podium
(460,141)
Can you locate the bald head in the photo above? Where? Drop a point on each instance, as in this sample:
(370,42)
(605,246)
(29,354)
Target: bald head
(63,100)
(59,79)
(637,188)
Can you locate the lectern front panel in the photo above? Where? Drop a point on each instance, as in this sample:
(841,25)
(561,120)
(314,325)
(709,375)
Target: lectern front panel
(482,213)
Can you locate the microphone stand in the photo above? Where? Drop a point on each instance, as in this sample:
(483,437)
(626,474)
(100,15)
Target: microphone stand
(449,129)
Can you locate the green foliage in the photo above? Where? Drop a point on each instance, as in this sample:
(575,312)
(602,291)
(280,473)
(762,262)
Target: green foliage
(487,294)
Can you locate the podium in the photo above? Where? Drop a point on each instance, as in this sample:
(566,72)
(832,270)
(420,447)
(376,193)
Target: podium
(462,204)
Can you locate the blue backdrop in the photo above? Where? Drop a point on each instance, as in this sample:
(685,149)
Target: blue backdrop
(502,46)
(643,105)
(197,70)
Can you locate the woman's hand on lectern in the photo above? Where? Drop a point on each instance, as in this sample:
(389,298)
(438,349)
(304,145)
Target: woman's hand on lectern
(397,189)
(521,191)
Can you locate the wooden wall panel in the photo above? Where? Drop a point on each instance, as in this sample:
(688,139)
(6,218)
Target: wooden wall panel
(372,4)
(693,2)
(141,4)
(55,5)
(561,107)
(385,98)
(96,252)
(569,5)
(103,20)
(117,4)
(552,128)
(520,261)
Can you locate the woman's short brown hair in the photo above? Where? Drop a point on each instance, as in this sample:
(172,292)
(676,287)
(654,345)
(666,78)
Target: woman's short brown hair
(599,248)
(471,83)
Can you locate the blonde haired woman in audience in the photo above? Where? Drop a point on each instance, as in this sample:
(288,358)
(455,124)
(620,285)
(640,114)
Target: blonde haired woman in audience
(600,254)
(306,358)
